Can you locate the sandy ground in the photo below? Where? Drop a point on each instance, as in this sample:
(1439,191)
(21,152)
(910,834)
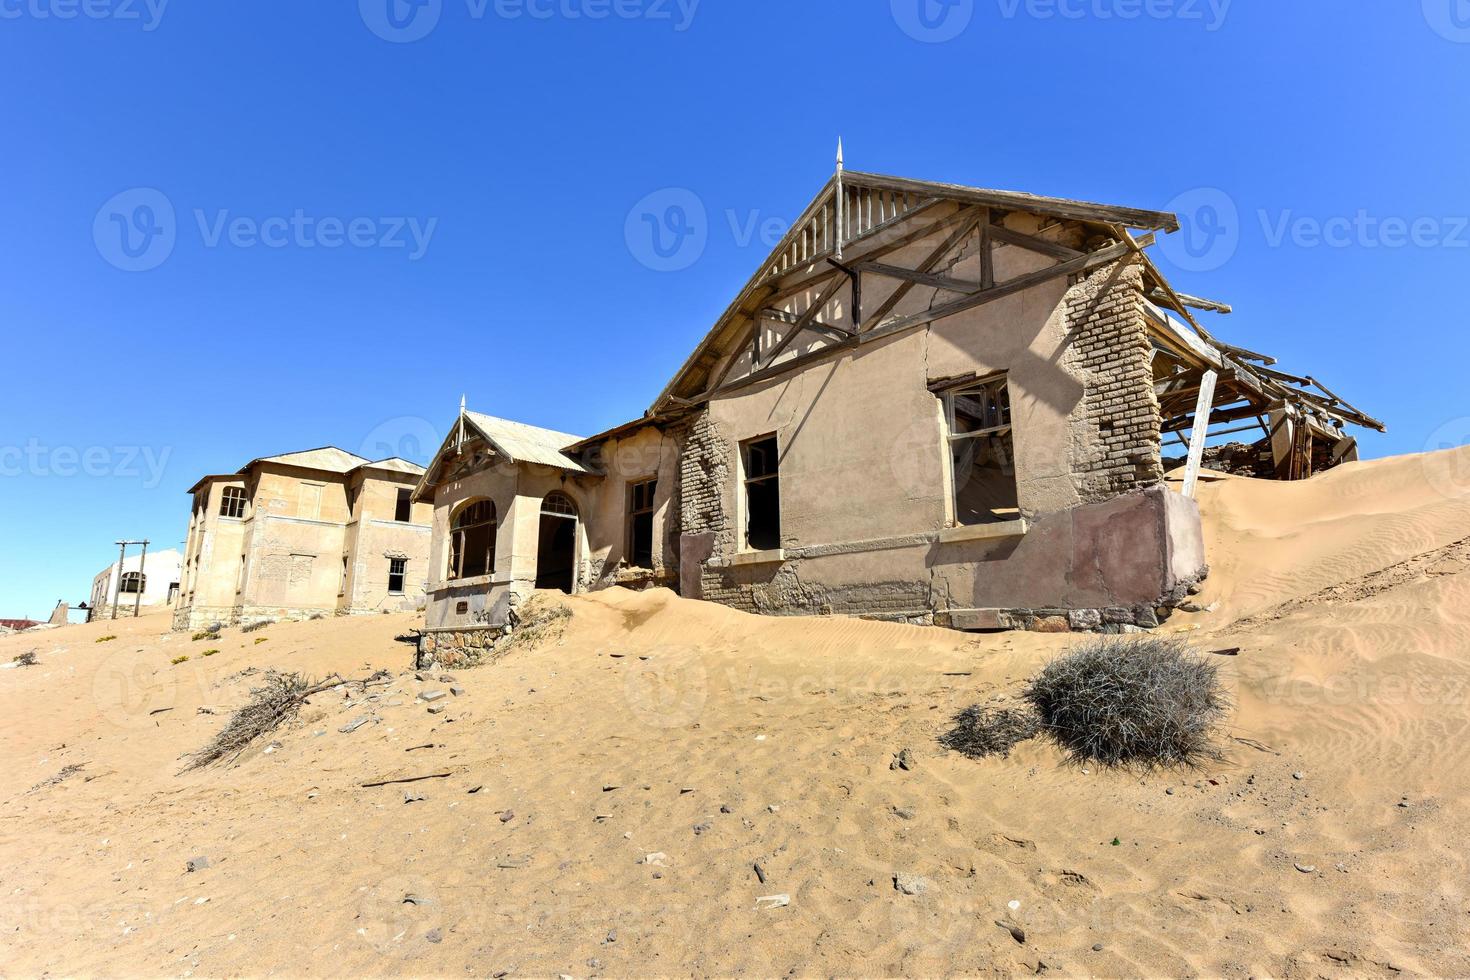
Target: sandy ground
(1331,842)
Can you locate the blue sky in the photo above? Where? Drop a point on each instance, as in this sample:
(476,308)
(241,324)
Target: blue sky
(376,209)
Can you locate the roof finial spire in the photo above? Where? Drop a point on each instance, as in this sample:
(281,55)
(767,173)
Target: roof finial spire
(839,196)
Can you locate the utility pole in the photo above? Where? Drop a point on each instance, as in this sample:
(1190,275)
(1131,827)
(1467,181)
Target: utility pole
(122,556)
(138,596)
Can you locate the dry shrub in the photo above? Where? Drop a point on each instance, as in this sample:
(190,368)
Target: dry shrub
(27,659)
(979,732)
(539,621)
(271,705)
(1151,703)
(259,624)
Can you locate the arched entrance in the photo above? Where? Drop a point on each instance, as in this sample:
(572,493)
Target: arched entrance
(556,550)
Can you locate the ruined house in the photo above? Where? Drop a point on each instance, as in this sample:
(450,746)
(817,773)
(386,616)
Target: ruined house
(148,582)
(931,403)
(304,534)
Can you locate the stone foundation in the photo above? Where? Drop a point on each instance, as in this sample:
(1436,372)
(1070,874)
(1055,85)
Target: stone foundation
(469,646)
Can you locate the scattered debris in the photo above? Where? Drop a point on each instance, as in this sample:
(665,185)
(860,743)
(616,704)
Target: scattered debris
(903,760)
(27,659)
(772,902)
(760,873)
(271,705)
(409,796)
(196,864)
(507,816)
(432,695)
(405,779)
(979,732)
(350,727)
(1017,933)
(658,858)
(66,773)
(911,884)
(1306,869)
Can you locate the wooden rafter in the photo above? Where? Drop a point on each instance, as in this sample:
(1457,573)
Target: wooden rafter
(931,262)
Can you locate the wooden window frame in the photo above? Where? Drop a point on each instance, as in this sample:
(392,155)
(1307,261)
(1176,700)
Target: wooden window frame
(634,512)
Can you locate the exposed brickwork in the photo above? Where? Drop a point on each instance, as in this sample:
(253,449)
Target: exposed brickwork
(1110,350)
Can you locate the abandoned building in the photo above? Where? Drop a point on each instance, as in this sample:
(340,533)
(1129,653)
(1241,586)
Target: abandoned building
(931,403)
(305,534)
(146,583)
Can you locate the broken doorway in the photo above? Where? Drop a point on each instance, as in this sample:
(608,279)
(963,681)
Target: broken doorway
(556,549)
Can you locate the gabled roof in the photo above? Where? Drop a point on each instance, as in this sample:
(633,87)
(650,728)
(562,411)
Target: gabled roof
(395,464)
(327,458)
(527,443)
(871,204)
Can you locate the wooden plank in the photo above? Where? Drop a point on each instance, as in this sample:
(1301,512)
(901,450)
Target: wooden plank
(908,238)
(819,304)
(1032,243)
(920,278)
(1010,287)
(967,226)
(1201,432)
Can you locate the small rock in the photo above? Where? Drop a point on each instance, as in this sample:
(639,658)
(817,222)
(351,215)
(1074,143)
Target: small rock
(725,809)
(412,797)
(434,936)
(903,760)
(904,812)
(436,709)
(612,936)
(196,863)
(446,679)
(911,884)
(700,828)
(1298,775)
(1341,867)
(1017,933)
(475,789)
(760,872)
(1307,869)
(658,858)
(507,816)
(1169,791)
(774,808)
(686,789)
(456,690)
(1097,947)
(432,695)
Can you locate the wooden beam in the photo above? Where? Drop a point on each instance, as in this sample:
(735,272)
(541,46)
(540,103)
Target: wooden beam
(1031,242)
(1010,287)
(1201,432)
(920,278)
(1193,302)
(968,225)
(803,321)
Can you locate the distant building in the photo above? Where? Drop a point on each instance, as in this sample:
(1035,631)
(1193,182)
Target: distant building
(17,625)
(157,581)
(312,533)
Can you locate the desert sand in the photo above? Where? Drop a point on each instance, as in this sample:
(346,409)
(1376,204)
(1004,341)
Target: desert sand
(1330,841)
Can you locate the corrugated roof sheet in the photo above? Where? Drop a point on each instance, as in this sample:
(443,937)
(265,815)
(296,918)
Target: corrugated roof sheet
(528,443)
(328,458)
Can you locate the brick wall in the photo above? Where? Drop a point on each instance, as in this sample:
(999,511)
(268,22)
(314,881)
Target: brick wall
(1119,448)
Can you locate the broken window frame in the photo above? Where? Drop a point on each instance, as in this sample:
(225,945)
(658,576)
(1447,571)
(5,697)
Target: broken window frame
(232,503)
(132,583)
(397,568)
(996,409)
(761,479)
(403,509)
(472,516)
(641,497)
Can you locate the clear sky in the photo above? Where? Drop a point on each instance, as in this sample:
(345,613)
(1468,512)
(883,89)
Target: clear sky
(238,229)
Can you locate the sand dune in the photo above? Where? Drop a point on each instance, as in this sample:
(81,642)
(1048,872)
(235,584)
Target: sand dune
(655,725)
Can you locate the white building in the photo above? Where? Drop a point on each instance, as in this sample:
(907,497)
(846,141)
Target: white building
(158,581)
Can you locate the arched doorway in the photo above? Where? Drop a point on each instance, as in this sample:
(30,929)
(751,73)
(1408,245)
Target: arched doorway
(556,550)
